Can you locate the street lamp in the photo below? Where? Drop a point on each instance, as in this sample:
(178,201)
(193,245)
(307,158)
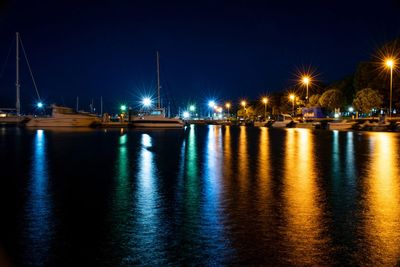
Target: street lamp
(211,105)
(228,106)
(243,103)
(192,108)
(390,64)
(292,97)
(306,80)
(123,108)
(39,104)
(265,101)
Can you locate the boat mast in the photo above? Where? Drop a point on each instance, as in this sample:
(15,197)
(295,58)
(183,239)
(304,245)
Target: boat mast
(158,81)
(17,85)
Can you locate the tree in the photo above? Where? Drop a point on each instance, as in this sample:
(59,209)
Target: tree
(331,99)
(367,99)
(346,86)
(313,100)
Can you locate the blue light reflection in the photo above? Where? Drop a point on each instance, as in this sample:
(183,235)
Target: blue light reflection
(39,214)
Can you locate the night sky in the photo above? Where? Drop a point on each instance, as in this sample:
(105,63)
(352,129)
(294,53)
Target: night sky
(221,49)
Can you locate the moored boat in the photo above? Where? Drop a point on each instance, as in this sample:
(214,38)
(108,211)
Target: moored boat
(282,121)
(375,126)
(10,118)
(64,117)
(155,118)
(260,123)
(341,125)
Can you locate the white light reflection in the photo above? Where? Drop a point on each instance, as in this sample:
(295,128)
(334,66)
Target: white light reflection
(212,225)
(147,230)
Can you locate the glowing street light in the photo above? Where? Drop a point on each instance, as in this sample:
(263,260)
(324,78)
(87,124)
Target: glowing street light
(228,106)
(306,81)
(265,101)
(292,97)
(243,103)
(390,63)
(186,115)
(39,105)
(192,108)
(123,108)
(211,105)
(146,102)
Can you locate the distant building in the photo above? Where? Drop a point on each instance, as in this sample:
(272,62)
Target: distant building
(313,113)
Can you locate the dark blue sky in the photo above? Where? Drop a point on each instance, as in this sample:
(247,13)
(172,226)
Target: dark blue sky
(226,49)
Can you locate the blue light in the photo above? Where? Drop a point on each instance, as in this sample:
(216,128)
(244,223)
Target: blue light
(211,103)
(146,101)
(39,104)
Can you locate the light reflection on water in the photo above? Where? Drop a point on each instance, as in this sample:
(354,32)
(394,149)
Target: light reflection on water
(232,196)
(121,201)
(212,215)
(39,210)
(382,202)
(302,197)
(147,226)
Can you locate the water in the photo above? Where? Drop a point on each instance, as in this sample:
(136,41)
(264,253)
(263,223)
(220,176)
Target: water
(209,195)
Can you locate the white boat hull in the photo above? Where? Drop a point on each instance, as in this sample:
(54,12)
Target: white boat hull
(280,124)
(62,122)
(260,123)
(12,120)
(306,125)
(340,125)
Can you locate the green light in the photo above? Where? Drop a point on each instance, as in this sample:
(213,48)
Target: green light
(123,107)
(192,108)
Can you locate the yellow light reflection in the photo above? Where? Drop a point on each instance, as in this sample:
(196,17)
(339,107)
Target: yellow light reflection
(382,219)
(302,205)
(227,167)
(243,164)
(264,164)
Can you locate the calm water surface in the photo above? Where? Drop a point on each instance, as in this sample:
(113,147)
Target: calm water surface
(207,195)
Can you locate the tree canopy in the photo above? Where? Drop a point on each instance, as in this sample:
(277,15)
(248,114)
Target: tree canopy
(331,99)
(367,99)
(313,100)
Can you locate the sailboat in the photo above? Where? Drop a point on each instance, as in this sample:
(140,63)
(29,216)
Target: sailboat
(7,116)
(156,118)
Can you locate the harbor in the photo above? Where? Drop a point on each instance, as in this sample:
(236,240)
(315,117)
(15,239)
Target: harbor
(207,133)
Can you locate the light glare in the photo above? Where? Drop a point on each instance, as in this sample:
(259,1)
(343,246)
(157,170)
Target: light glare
(146,101)
(389,62)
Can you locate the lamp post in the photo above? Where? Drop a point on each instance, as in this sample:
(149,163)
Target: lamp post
(292,97)
(243,103)
(265,100)
(228,106)
(192,109)
(306,81)
(390,64)
(211,105)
